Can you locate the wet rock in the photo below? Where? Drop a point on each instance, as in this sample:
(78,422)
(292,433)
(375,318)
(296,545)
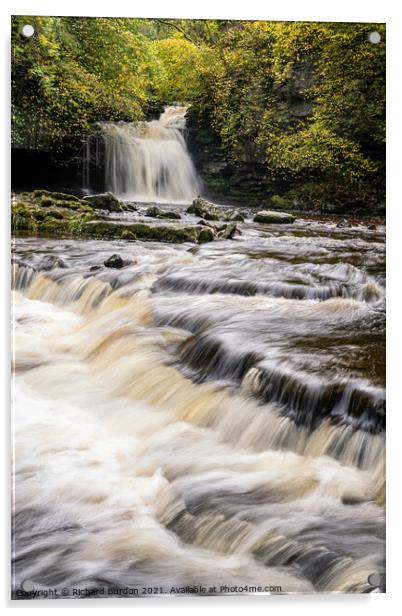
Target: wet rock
(47,197)
(206,234)
(56,203)
(156,212)
(128,235)
(343,224)
(128,207)
(372,227)
(234,216)
(225,231)
(159,233)
(270,217)
(209,211)
(47,212)
(50,262)
(105,201)
(114,261)
(55,214)
(94,268)
(78,218)
(229,231)
(200,207)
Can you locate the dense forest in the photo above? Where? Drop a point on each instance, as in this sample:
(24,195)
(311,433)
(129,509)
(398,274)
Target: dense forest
(294,110)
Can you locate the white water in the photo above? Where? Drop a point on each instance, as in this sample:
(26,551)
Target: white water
(144,457)
(149,161)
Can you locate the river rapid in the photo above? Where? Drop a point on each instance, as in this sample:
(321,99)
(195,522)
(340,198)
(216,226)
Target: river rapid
(207,415)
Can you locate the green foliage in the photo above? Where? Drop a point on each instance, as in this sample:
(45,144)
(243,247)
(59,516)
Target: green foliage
(75,71)
(179,66)
(303,101)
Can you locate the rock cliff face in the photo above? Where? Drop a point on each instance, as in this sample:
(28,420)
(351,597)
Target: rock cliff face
(247,181)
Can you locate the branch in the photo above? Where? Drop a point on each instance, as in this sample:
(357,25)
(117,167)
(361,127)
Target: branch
(171,25)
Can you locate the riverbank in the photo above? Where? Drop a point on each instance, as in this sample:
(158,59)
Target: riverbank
(47,213)
(104,216)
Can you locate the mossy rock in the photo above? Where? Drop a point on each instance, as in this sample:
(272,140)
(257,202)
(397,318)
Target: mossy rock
(128,235)
(156,212)
(143,231)
(271,217)
(229,231)
(55,213)
(48,199)
(206,235)
(50,196)
(30,215)
(208,211)
(23,217)
(105,201)
(114,261)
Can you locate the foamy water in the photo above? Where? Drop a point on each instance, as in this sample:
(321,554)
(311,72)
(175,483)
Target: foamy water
(149,161)
(207,415)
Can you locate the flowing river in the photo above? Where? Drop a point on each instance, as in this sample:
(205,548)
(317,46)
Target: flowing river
(206,415)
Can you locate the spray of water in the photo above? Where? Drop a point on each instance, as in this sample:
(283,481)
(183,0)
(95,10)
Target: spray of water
(149,161)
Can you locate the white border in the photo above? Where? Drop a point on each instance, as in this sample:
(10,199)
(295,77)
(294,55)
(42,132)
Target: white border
(291,10)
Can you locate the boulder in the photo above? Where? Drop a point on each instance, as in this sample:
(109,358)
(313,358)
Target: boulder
(105,201)
(156,212)
(206,234)
(271,217)
(372,227)
(229,231)
(209,211)
(114,261)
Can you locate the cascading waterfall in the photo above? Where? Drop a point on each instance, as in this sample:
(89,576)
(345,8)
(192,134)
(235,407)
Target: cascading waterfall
(176,426)
(149,161)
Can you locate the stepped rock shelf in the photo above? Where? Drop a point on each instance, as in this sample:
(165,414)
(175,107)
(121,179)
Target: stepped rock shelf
(54,213)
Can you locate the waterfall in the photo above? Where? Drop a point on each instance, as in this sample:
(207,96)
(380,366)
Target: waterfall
(211,417)
(149,161)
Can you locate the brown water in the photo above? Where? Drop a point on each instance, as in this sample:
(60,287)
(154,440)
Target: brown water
(207,415)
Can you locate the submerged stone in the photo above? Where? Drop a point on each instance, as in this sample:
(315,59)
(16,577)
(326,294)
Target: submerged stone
(114,261)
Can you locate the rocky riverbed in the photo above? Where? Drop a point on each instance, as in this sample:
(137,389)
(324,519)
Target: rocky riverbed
(198,412)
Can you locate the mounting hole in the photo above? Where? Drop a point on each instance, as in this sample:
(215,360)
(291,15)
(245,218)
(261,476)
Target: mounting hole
(374,37)
(28,30)
(27,585)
